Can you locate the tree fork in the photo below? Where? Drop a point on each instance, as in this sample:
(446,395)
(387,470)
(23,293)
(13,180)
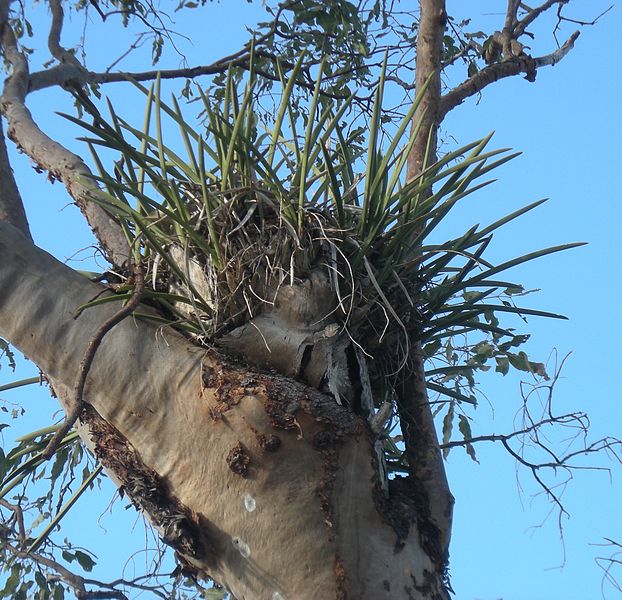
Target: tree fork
(272,481)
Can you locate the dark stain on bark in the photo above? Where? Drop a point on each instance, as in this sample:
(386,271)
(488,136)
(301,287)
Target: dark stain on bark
(326,487)
(427,589)
(278,410)
(208,376)
(148,491)
(238,460)
(398,510)
(413,492)
(341,579)
(269,443)
(322,440)
(287,396)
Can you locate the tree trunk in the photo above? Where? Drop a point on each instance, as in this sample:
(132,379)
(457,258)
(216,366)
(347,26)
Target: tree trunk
(428,481)
(264,484)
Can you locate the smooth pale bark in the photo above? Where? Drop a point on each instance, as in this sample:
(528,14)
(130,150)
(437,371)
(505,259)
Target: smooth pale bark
(177,424)
(11,206)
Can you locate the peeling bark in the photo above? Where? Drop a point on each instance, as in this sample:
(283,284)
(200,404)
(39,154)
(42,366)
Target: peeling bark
(292,526)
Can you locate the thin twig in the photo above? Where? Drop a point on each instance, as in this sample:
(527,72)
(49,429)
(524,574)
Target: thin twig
(19,519)
(506,68)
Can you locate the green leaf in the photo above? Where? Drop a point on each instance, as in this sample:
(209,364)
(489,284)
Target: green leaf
(503,365)
(41,581)
(465,429)
(214,594)
(451,393)
(59,592)
(448,422)
(12,582)
(431,348)
(86,562)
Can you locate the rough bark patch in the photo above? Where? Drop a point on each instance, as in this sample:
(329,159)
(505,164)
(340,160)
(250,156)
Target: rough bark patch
(341,579)
(269,443)
(239,460)
(425,589)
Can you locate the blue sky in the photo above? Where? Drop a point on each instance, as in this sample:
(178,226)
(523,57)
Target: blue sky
(506,542)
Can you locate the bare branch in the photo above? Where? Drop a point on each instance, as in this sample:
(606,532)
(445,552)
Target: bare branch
(531,436)
(533,14)
(16,509)
(134,583)
(554,57)
(11,205)
(52,157)
(507,68)
(56,50)
(609,563)
(65,75)
(507,33)
(583,22)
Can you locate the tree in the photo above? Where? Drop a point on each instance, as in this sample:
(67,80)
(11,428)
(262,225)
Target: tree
(266,429)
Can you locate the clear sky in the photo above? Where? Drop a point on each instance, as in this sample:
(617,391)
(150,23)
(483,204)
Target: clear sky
(506,539)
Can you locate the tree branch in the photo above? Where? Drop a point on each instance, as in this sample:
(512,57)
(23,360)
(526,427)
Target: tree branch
(66,74)
(72,579)
(52,157)
(428,479)
(531,436)
(18,515)
(507,68)
(533,14)
(507,33)
(11,205)
(56,27)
